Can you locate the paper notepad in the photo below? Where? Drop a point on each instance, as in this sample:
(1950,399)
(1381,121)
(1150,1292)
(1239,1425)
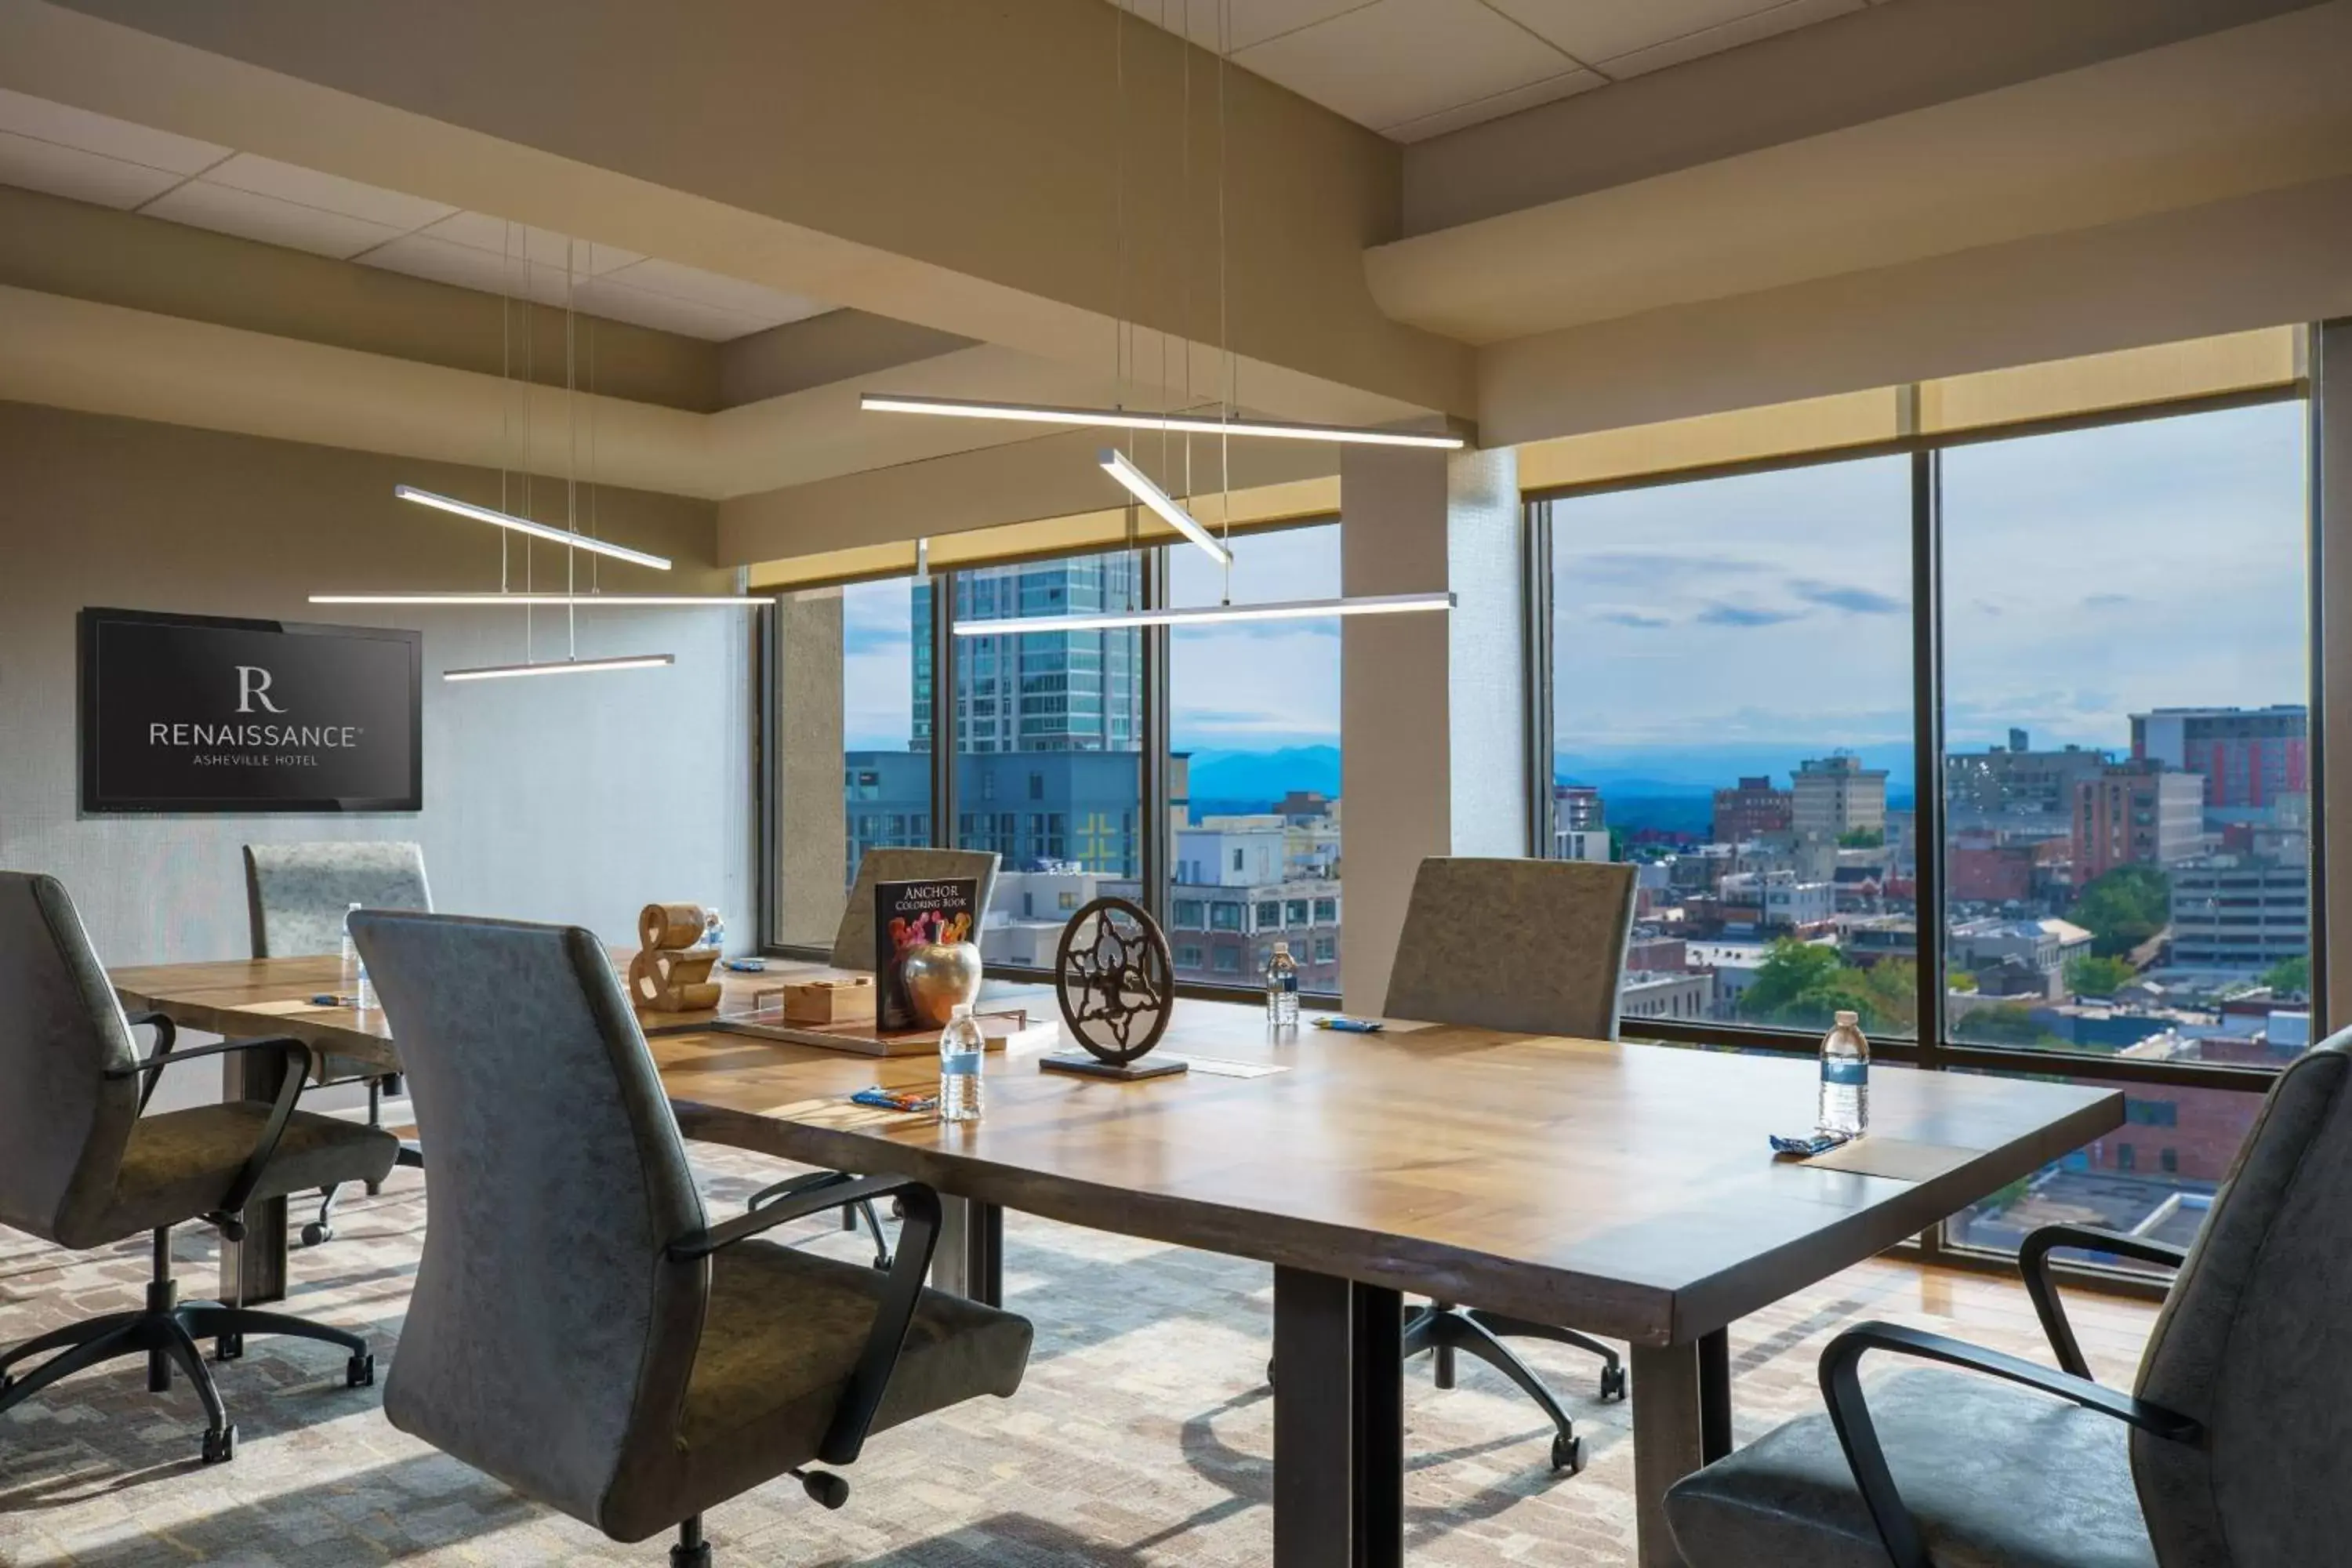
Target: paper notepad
(282,1010)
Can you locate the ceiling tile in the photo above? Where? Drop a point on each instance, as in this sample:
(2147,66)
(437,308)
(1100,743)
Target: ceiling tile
(480,231)
(769,306)
(644,307)
(422,256)
(1251,21)
(1566,85)
(1761,23)
(268,219)
(78,128)
(1399,60)
(84,176)
(327,193)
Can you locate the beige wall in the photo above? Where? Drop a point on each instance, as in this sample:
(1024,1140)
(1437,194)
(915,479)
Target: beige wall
(571,799)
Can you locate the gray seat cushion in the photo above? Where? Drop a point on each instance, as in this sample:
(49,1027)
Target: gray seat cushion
(1998,1477)
(780,1335)
(180,1164)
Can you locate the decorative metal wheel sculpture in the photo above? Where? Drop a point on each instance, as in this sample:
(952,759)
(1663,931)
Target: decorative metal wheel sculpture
(1115,981)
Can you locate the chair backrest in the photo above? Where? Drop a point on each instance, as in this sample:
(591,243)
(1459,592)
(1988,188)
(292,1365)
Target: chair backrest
(2253,1343)
(548,1340)
(298,894)
(64,1125)
(1532,946)
(853,943)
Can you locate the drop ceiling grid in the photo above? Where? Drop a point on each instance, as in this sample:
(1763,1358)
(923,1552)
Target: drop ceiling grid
(94,158)
(1415,69)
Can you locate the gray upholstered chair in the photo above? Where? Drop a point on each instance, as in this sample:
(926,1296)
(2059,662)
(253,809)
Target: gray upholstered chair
(1536,947)
(578,1328)
(853,948)
(2228,1453)
(296,896)
(80,1166)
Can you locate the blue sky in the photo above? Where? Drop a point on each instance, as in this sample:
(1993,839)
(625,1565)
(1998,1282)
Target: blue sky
(2088,574)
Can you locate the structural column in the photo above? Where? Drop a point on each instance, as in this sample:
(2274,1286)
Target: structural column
(1432,708)
(2331,494)
(811,842)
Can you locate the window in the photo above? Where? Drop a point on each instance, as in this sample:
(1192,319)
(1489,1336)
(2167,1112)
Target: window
(1224,917)
(1188,955)
(2113,798)
(1054,719)
(2118,834)
(1731,711)
(1326,950)
(1254,725)
(1186,912)
(1228,961)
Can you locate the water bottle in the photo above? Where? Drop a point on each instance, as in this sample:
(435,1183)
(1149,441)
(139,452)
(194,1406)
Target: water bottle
(714,930)
(961,1046)
(1845,1079)
(354,981)
(1281,989)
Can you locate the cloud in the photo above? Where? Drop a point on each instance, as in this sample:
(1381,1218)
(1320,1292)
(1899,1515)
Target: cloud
(2107,601)
(1723,615)
(1617,616)
(1844,596)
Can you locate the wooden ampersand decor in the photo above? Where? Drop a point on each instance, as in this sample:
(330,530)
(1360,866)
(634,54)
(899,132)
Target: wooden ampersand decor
(671,972)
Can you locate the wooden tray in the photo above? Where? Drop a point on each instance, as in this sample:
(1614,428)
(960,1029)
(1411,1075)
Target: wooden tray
(1000,1027)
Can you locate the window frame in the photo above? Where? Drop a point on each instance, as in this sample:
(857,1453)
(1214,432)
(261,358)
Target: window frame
(1933,1050)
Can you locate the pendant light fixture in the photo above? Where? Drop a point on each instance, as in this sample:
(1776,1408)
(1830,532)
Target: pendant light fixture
(1224,424)
(550,601)
(562,667)
(524,525)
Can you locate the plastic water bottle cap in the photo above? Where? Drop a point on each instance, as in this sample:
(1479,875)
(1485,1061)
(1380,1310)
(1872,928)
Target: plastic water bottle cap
(1848,1020)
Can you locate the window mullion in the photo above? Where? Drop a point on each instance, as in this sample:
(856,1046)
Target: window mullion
(1928,745)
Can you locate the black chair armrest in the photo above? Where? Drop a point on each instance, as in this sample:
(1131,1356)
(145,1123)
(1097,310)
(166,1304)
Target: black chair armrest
(167,1034)
(919,1234)
(833,1190)
(289,1089)
(2033,1262)
(777,1191)
(1850,1415)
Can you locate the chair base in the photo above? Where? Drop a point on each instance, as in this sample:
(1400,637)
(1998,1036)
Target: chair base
(165,1332)
(1447,1331)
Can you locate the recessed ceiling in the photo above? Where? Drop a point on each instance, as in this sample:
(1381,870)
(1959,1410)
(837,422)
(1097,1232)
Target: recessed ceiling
(1415,69)
(89,157)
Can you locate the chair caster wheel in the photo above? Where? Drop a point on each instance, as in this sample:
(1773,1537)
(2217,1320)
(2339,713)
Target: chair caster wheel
(359,1371)
(317,1235)
(1566,1454)
(694,1556)
(1269,1372)
(229,1347)
(220,1446)
(828,1490)
(1613,1383)
(882,1261)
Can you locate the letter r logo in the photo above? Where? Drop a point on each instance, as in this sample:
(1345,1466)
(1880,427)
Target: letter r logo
(252,687)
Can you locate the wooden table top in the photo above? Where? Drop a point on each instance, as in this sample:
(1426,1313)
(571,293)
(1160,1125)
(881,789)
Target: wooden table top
(1625,1189)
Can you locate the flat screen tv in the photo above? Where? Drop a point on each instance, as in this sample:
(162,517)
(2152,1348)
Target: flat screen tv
(200,713)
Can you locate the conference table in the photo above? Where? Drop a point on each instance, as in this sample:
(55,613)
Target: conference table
(1623,1189)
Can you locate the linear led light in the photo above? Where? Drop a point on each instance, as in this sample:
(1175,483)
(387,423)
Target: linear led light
(1130,419)
(1138,485)
(544,601)
(524,525)
(562,667)
(1294,610)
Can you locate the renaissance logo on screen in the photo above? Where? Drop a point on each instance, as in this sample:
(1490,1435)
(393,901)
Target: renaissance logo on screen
(196,713)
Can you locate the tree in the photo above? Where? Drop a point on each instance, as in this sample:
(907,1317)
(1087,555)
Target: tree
(1861,838)
(2092,975)
(2289,976)
(2003,1023)
(2122,908)
(1803,984)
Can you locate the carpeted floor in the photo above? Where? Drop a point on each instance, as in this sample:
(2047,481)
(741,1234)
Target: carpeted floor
(1140,1438)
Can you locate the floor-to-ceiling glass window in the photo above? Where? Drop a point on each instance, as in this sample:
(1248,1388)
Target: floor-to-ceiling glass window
(1048,743)
(2127,803)
(1732,712)
(1253,775)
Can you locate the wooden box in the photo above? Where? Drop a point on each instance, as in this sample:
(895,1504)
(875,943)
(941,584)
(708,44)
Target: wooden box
(827,999)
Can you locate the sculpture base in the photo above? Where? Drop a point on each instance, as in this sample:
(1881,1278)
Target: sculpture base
(1123,1072)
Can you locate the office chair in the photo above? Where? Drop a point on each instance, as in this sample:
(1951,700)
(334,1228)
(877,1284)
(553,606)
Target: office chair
(1534,947)
(579,1330)
(853,948)
(296,896)
(80,1166)
(2227,1453)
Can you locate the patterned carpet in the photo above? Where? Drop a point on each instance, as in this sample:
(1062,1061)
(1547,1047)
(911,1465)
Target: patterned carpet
(1140,1438)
